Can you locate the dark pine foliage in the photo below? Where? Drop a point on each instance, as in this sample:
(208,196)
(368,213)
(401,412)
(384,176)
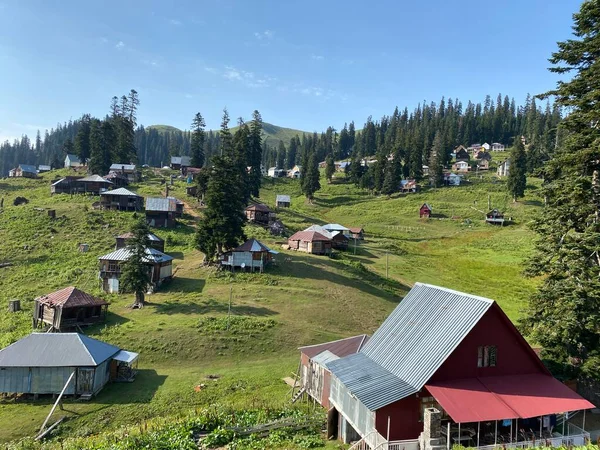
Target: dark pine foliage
(135,276)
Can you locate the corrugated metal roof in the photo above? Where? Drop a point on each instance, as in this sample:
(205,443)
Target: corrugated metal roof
(73,158)
(411,344)
(126,356)
(28,168)
(320,229)
(56,350)
(123,254)
(258,207)
(44,167)
(129,235)
(125,167)
(308,236)
(181,160)
(161,204)
(95,179)
(120,191)
(70,297)
(340,347)
(335,227)
(252,245)
(324,357)
(283,198)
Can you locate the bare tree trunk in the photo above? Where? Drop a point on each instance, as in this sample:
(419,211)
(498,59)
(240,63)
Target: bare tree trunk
(139,300)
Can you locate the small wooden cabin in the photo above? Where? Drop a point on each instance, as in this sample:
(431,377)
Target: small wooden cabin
(42,363)
(461,166)
(283,201)
(425,211)
(163,212)
(252,254)
(66,185)
(121,199)
(258,213)
(117,179)
(160,267)
(339,240)
(72,161)
(277,228)
(127,170)
(483,164)
(156,242)
(310,242)
(495,217)
(357,233)
(179,162)
(461,153)
(23,171)
(68,308)
(93,184)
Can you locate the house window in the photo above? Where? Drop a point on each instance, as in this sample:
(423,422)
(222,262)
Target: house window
(113,267)
(486,356)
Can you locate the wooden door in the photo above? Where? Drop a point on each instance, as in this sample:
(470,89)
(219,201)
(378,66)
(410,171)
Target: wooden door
(85,381)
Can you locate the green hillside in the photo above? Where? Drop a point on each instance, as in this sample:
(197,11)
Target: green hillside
(189,361)
(272,134)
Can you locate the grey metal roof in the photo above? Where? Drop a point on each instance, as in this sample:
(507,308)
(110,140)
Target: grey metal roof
(95,179)
(73,158)
(412,343)
(56,350)
(120,191)
(160,204)
(125,167)
(123,254)
(320,229)
(28,168)
(181,160)
(335,227)
(283,198)
(373,385)
(324,357)
(44,167)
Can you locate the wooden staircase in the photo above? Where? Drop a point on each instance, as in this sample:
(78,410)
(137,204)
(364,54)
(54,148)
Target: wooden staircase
(298,394)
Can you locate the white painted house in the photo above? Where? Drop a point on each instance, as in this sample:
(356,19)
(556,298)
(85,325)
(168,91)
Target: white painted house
(497,147)
(486,146)
(72,161)
(503,168)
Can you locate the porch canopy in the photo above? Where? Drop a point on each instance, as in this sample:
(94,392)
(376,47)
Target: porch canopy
(505,397)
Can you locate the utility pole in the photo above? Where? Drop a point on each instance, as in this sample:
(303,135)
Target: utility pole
(229,309)
(355,246)
(386,264)
(489,202)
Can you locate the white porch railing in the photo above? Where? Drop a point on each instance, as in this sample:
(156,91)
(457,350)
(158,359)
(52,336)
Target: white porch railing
(375,441)
(575,440)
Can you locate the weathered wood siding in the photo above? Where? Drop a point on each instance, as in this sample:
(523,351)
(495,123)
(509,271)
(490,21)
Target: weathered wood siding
(102,375)
(35,380)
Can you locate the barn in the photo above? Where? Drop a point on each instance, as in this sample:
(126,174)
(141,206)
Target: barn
(42,363)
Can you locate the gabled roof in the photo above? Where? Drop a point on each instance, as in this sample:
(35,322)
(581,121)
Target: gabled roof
(319,229)
(73,158)
(340,347)
(70,297)
(283,198)
(151,236)
(335,227)
(309,236)
(258,207)
(56,350)
(28,168)
(181,160)
(95,179)
(152,255)
(356,230)
(411,344)
(120,191)
(125,167)
(426,205)
(161,204)
(252,245)
(44,167)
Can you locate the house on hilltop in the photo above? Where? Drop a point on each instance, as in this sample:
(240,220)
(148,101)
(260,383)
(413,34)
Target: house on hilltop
(23,171)
(160,268)
(121,199)
(72,161)
(42,363)
(444,361)
(66,185)
(251,255)
(93,184)
(68,308)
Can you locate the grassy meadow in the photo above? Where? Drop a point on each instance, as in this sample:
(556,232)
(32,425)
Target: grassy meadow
(303,299)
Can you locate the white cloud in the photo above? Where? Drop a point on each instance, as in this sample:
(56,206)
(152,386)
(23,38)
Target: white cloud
(211,70)
(104,40)
(231,73)
(175,22)
(266,35)
(317,57)
(120,45)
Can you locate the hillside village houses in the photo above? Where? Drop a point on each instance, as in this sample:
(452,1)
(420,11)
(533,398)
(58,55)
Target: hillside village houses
(23,171)
(310,242)
(126,170)
(121,199)
(72,161)
(445,368)
(48,363)
(452,179)
(42,168)
(258,213)
(497,147)
(252,255)
(461,166)
(338,239)
(162,212)
(294,172)
(425,211)
(275,172)
(282,201)
(483,164)
(179,162)
(461,153)
(156,242)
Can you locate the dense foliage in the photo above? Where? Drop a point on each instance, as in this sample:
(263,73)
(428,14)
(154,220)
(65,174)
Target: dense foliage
(563,316)
(135,275)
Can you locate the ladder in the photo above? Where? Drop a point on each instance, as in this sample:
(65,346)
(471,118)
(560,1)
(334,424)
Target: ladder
(298,394)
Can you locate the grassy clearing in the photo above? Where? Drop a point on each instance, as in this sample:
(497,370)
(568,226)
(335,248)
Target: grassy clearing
(311,299)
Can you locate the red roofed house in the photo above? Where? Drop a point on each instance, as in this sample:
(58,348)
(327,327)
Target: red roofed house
(68,308)
(447,368)
(425,211)
(310,242)
(357,233)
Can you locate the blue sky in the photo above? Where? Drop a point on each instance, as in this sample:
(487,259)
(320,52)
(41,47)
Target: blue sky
(303,64)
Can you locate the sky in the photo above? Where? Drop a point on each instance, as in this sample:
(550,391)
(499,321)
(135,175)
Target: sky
(303,64)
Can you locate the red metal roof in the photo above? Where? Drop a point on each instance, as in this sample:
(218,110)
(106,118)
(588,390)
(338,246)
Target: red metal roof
(341,347)
(505,397)
(356,230)
(70,297)
(308,236)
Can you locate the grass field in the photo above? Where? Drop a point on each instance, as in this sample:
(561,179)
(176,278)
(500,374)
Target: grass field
(308,300)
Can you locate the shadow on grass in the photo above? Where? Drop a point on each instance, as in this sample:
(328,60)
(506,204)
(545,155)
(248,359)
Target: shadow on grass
(340,201)
(210,306)
(141,390)
(176,255)
(182,284)
(533,202)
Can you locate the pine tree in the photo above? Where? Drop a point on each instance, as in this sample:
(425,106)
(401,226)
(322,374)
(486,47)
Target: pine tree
(100,157)
(255,154)
(292,152)
(329,168)
(135,272)
(517,180)
(436,169)
(82,139)
(310,183)
(281,151)
(393,173)
(563,316)
(240,147)
(197,144)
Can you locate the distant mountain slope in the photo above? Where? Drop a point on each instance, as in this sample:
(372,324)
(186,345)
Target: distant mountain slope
(272,133)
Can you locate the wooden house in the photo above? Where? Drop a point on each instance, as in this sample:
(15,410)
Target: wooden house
(251,255)
(452,179)
(461,166)
(93,184)
(258,213)
(68,308)
(66,185)
(474,148)
(117,179)
(332,227)
(42,363)
(121,199)
(503,168)
(180,162)
(461,153)
(409,186)
(163,212)
(444,369)
(126,170)
(294,172)
(339,240)
(275,172)
(310,242)
(495,217)
(282,201)
(23,171)
(43,168)
(156,242)
(483,164)
(160,267)
(425,211)
(482,155)
(72,161)
(357,233)
(315,378)
(497,147)
(486,147)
